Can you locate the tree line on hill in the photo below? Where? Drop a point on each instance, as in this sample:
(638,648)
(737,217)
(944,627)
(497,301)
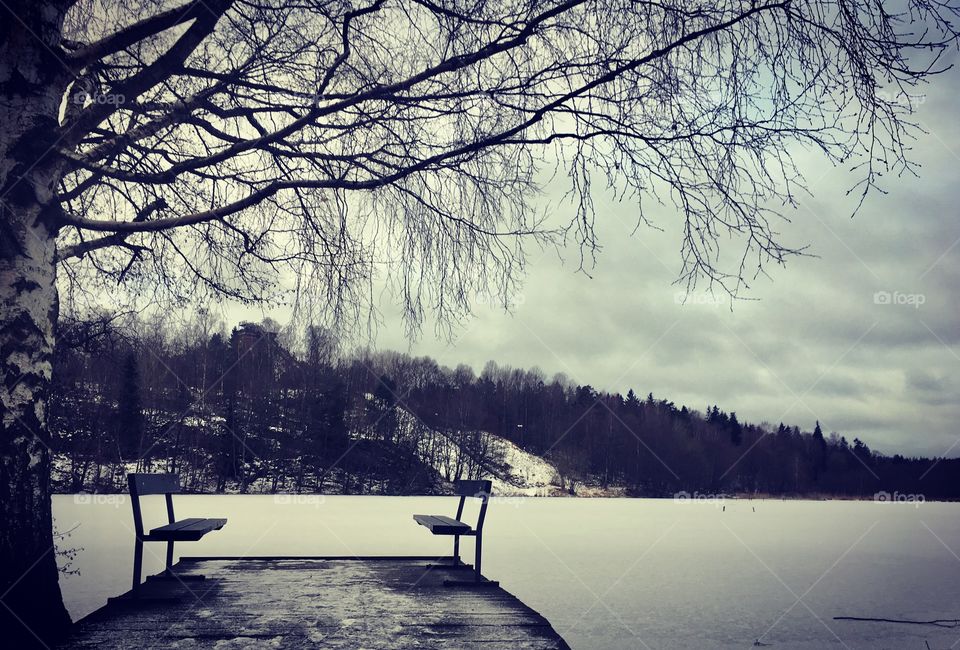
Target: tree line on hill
(264,409)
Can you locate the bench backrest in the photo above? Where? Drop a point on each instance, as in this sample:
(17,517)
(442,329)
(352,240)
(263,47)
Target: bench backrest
(145,484)
(154,483)
(478,489)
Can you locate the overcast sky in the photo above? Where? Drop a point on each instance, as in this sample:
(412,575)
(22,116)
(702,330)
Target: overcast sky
(814,343)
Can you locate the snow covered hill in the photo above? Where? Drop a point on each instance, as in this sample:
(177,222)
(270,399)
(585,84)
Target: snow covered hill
(521,473)
(452,454)
(463,454)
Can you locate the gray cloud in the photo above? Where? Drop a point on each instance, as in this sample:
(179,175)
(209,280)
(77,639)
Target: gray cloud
(863,335)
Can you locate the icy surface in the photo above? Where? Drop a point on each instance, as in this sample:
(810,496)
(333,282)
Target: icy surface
(607,573)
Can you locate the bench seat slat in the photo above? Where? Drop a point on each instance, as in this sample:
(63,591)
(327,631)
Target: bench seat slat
(443,525)
(186,530)
(177,525)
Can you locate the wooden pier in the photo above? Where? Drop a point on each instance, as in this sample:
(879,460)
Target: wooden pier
(317,602)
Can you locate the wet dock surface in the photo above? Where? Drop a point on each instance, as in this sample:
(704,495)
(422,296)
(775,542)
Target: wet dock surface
(314,603)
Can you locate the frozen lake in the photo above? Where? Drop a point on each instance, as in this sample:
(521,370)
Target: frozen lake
(607,573)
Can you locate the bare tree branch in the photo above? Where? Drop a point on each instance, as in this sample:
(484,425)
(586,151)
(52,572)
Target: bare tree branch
(87,54)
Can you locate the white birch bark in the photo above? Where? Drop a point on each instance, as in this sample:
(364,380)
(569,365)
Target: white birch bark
(32,80)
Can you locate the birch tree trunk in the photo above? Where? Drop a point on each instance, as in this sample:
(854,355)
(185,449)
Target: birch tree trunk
(31,86)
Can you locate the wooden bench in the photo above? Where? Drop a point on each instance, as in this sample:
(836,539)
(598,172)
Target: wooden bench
(185,530)
(444,525)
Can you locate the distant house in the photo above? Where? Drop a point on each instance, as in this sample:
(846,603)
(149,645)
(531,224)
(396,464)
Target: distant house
(259,354)
(247,335)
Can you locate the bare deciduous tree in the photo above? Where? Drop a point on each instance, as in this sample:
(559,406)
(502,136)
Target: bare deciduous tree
(217,147)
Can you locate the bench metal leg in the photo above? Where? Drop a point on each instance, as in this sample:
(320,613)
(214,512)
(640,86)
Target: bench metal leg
(478,580)
(456,549)
(169,556)
(476,564)
(137,562)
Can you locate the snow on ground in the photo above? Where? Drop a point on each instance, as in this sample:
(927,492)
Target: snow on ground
(524,474)
(513,471)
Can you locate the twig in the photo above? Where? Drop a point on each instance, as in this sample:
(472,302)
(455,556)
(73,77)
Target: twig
(939,622)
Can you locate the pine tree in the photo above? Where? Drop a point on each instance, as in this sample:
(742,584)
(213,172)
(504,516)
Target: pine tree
(736,431)
(713,415)
(819,451)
